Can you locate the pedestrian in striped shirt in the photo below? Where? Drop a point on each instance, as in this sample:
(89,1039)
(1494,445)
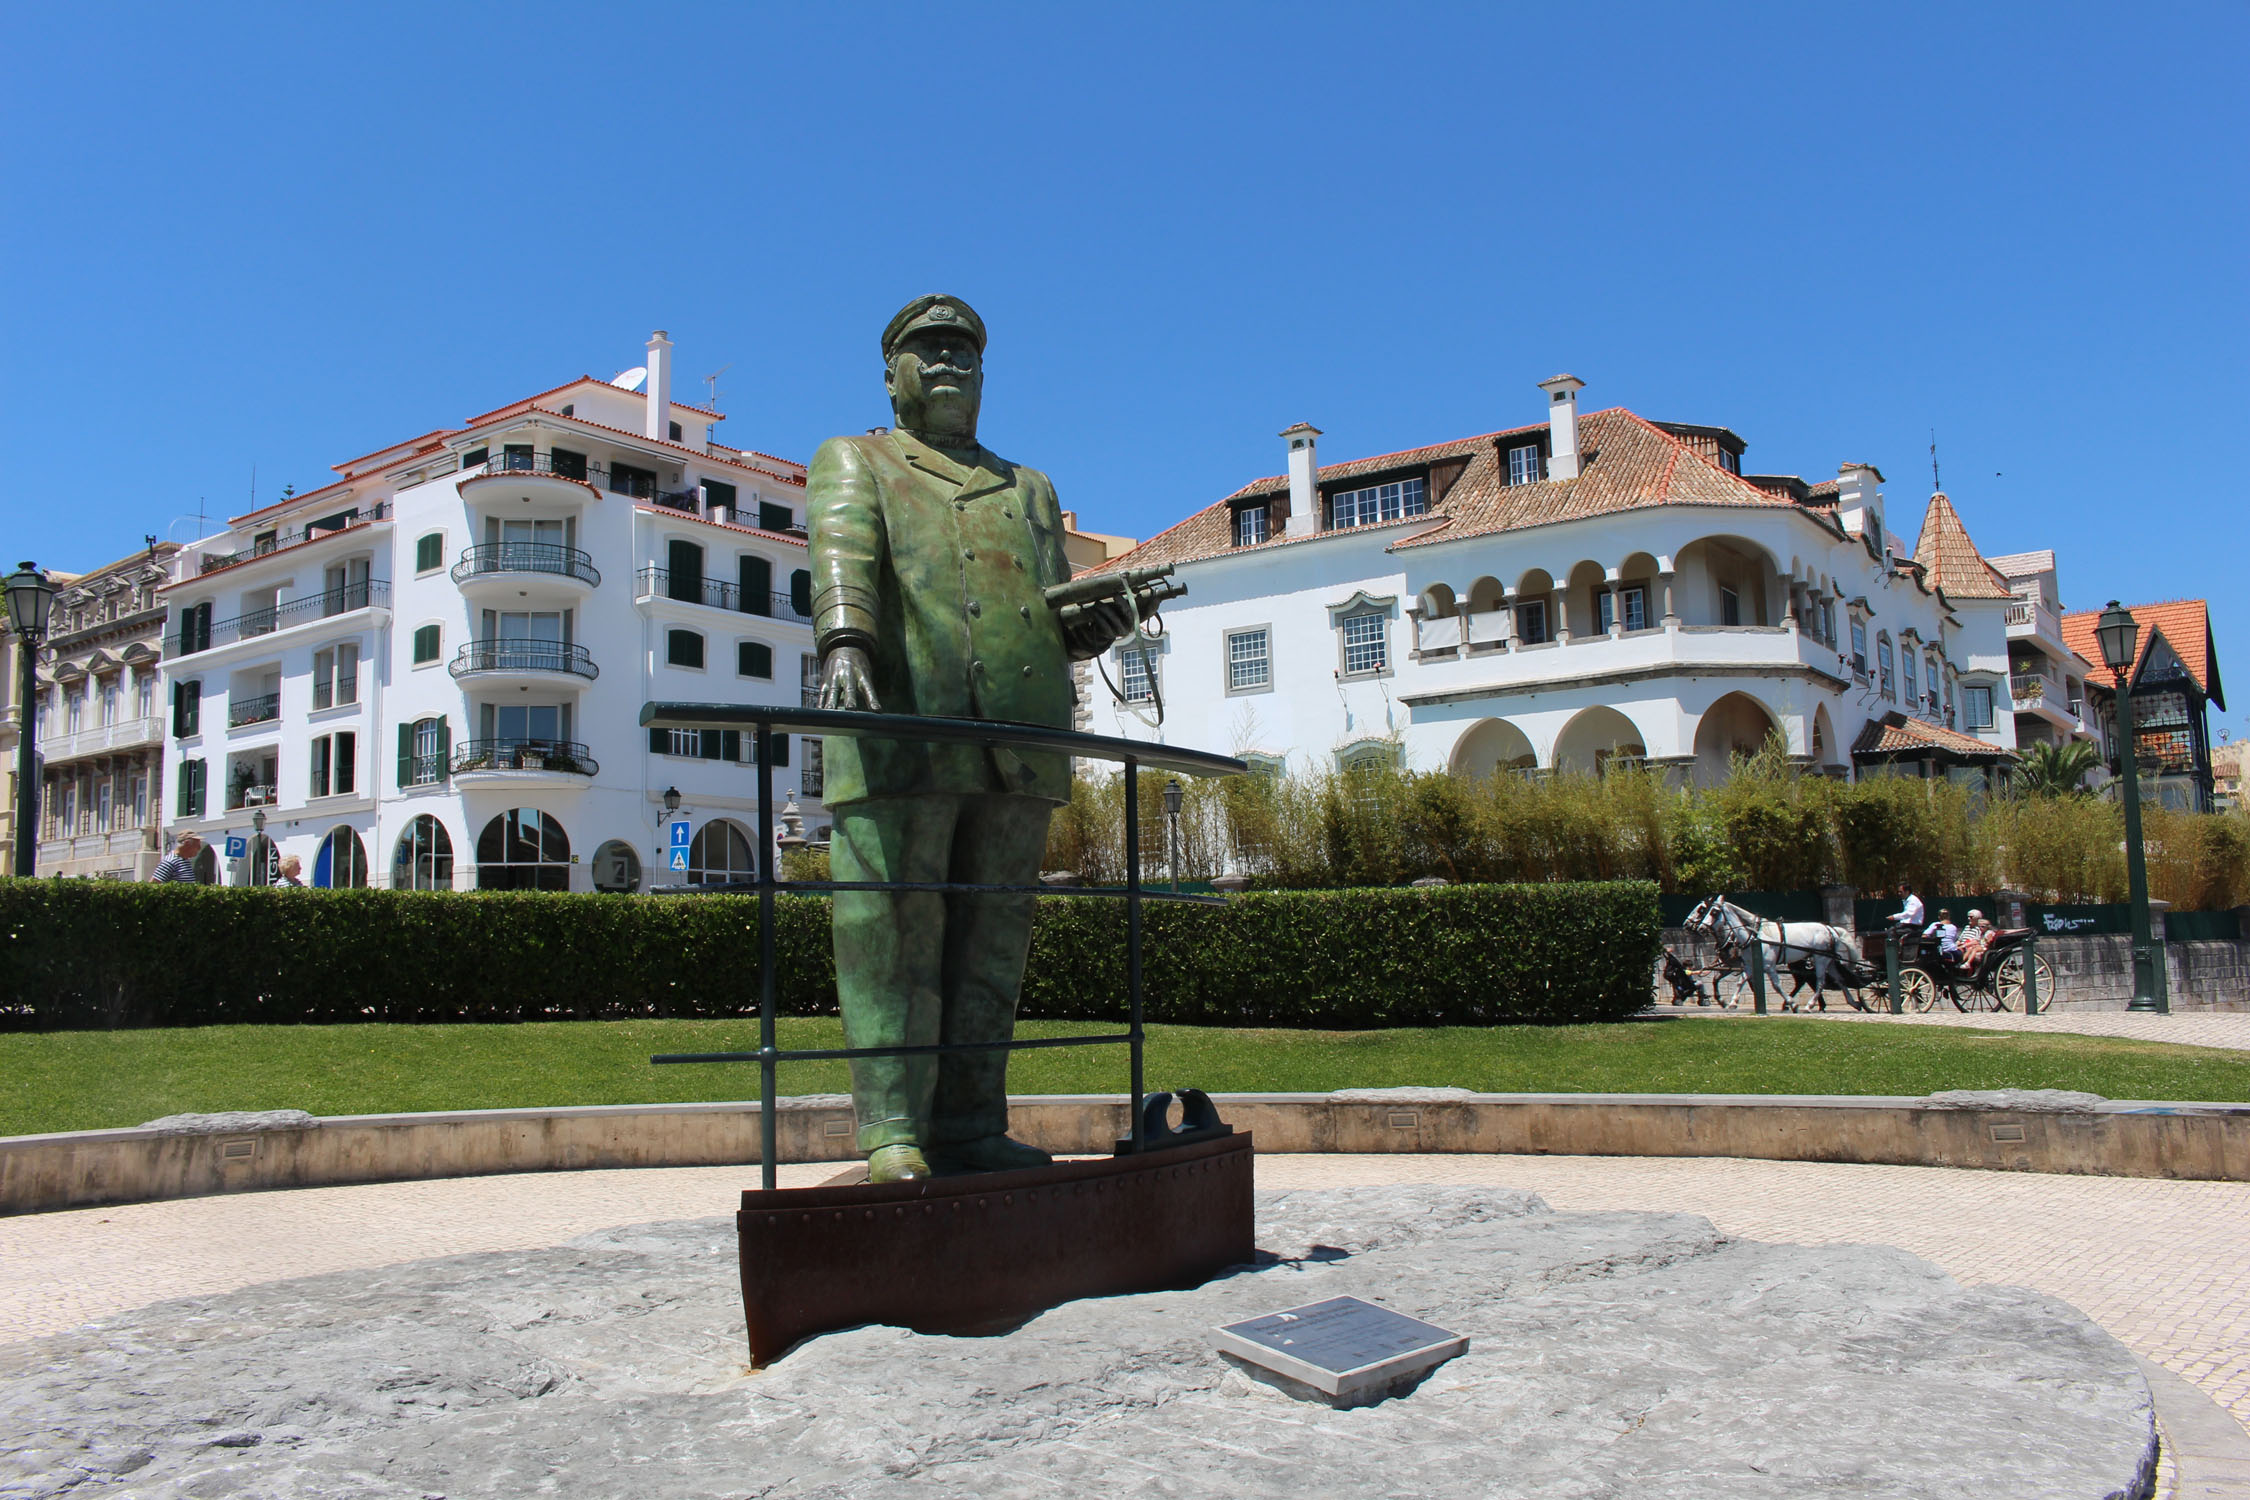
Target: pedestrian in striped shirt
(179,865)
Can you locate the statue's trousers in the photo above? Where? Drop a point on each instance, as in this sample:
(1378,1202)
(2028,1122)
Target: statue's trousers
(917,967)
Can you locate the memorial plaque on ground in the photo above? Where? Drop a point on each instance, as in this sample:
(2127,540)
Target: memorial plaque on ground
(1351,1352)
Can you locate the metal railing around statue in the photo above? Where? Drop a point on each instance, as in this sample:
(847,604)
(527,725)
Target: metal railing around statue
(766,720)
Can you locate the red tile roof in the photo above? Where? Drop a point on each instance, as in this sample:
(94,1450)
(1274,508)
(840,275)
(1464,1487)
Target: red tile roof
(1951,561)
(1625,463)
(2185,625)
(1896,734)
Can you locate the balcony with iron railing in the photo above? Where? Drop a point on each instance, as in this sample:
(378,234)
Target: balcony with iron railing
(519,755)
(716,593)
(509,559)
(311,531)
(523,656)
(259,710)
(368,593)
(581,470)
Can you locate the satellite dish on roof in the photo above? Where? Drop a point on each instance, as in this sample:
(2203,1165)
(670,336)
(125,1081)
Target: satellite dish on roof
(630,380)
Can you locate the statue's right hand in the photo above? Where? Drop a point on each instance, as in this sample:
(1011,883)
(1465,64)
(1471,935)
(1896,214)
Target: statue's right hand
(847,680)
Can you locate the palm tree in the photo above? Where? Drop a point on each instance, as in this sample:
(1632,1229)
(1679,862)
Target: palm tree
(2050,770)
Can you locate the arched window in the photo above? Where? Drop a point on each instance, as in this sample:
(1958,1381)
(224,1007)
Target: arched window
(424,860)
(207,866)
(719,854)
(262,865)
(1884,667)
(616,867)
(341,863)
(523,849)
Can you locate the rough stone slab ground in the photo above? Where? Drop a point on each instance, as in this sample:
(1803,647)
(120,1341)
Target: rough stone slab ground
(1612,1354)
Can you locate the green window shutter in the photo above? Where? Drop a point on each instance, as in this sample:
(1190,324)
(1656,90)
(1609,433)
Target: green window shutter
(405,756)
(426,644)
(753,659)
(755,576)
(429,552)
(730,744)
(780,743)
(444,749)
(710,743)
(660,741)
(773,517)
(347,762)
(800,592)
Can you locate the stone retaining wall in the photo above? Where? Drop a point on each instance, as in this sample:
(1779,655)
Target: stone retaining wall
(196,1156)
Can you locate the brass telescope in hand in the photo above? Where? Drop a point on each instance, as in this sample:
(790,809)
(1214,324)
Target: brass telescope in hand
(1148,588)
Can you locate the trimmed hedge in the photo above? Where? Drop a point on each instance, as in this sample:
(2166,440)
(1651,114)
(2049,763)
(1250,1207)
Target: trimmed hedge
(81,954)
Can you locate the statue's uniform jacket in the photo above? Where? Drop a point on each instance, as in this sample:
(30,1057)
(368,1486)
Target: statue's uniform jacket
(938,569)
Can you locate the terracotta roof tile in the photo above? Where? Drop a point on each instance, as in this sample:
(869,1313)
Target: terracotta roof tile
(1895,734)
(1950,561)
(1626,463)
(2185,625)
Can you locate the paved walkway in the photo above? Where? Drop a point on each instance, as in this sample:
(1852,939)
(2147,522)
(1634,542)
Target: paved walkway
(2203,1028)
(2165,1266)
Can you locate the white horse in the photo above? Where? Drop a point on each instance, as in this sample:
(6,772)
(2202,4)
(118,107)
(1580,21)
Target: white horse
(1812,952)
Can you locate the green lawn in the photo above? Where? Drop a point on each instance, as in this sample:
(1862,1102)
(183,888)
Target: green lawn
(89,1079)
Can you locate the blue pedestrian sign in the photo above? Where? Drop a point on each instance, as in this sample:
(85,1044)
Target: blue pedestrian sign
(679,847)
(237,846)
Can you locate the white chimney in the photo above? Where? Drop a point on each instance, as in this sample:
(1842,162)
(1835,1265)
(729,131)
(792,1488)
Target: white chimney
(1562,424)
(660,386)
(1859,502)
(1304,481)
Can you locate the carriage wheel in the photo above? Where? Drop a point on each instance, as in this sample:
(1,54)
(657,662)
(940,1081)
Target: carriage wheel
(2008,981)
(1917,992)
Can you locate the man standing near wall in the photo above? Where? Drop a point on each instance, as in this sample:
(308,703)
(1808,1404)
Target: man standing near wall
(930,558)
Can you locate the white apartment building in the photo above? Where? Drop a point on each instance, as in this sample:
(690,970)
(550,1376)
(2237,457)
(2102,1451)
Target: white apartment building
(428,674)
(2046,678)
(1564,593)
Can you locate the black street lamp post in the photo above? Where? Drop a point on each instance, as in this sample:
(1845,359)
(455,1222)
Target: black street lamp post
(2119,634)
(30,594)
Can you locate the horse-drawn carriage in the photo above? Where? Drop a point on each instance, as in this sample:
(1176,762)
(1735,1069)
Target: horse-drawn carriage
(1817,956)
(1994,980)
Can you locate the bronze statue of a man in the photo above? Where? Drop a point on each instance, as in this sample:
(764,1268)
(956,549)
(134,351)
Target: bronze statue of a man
(930,558)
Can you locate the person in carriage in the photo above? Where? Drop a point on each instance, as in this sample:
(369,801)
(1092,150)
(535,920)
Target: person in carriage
(1948,939)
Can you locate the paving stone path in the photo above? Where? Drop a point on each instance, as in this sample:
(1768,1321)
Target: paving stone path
(2207,1028)
(2159,1264)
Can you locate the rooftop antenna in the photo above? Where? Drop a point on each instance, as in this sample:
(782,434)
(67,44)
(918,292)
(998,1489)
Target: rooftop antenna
(1934,484)
(712,380)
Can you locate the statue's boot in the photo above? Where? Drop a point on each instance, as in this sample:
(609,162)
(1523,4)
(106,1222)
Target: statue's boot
(902,1162)
(991,1153)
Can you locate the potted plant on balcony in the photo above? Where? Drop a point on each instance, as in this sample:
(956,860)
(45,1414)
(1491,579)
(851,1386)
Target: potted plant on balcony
(2030,690)
(534,757)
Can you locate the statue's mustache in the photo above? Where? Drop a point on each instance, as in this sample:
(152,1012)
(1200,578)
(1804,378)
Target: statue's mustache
(929,370)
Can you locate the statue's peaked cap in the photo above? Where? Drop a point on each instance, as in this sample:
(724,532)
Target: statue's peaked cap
(933,311)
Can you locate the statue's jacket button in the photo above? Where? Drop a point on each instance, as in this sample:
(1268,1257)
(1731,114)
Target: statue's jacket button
(975,608)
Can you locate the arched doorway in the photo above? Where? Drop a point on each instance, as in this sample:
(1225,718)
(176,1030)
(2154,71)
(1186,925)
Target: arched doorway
(423,860)
(523,849)
(721,854)
(341,863)
(261,864)
(1594,738)
(617,868)
(1737,724)
(1826,753)
(1492,746)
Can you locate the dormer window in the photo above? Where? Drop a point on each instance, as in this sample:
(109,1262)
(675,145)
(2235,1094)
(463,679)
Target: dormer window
(1250,524)
(1378,503)
(1524,466)
(1731,462)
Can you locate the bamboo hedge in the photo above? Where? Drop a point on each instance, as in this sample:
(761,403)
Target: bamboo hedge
(1767,828)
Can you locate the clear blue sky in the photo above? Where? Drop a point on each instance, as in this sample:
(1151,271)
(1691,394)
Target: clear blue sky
(284,236)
